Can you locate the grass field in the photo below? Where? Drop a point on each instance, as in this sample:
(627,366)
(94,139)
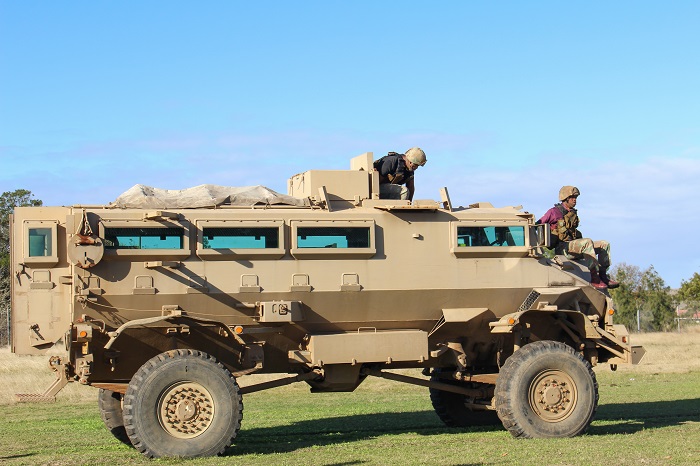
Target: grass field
(649,414)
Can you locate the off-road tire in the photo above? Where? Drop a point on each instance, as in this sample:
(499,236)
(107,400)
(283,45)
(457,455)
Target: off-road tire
(182,403)
(545,390)
(453,409)
(110,404)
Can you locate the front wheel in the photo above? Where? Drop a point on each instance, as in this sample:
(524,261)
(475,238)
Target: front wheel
(182,403)
(546,389)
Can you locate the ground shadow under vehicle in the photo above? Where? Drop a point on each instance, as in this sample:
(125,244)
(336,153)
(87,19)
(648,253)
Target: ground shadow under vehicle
(632,417)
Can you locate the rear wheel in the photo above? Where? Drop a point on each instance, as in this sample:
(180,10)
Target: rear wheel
(546,389)
(182,403)
(110,404)
(457,410)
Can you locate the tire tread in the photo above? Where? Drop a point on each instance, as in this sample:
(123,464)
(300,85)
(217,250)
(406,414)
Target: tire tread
(109,403)
(505,409)
(459,416)
(143,373)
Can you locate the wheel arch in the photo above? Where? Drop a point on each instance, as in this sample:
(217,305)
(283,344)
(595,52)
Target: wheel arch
(133,344)
(567,326)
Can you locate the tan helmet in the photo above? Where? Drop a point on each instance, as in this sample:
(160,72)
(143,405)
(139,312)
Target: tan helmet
(416,156)
(567,191)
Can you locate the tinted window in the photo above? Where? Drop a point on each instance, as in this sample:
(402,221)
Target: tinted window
(490,236)
(240,238)
(39,242)
(333,237)
(144,238)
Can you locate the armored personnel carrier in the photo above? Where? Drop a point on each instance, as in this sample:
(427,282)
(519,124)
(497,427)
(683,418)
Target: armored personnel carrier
(163,300)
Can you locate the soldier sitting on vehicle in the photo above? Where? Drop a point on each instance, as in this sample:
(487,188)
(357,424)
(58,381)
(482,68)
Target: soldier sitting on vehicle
(563,221)
(396,170)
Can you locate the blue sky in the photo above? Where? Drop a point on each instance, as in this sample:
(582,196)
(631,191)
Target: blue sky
(510,101)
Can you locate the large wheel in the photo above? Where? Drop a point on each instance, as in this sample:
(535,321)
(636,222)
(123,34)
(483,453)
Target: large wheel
(546,389)
(182,403)
(455,410)
(110,404)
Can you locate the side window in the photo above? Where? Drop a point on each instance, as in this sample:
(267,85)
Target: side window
(333,237)
(40,242)
(150,239)
(144,238)
(490,236)
(240,239)
(494,238)
(327,239)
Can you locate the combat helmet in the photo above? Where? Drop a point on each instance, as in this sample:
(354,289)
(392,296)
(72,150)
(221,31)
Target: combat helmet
(416,156)
(567,191)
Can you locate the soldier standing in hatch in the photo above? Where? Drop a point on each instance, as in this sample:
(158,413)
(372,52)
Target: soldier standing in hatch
(563,221)
(396,170)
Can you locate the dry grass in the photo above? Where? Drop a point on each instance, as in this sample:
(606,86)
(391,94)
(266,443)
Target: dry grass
(666,353)
(31,374)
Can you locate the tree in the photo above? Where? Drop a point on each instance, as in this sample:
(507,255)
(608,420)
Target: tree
(8,201)
(627,296)
(659,301)
(643,291)
(689,292)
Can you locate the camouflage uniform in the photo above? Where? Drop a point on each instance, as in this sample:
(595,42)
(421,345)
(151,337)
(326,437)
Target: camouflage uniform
(586,250)
(568,240)
(563,222)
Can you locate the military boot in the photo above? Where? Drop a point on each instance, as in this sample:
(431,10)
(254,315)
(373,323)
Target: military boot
(607,280)
(596,281)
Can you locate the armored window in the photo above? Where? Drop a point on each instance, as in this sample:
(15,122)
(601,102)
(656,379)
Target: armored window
(144,238)
(494,238)
(473,236)
(41,242)
(240,238)
(323,239)
(333,237)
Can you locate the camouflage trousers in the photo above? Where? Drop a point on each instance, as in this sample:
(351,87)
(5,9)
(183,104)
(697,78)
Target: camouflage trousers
(593,254)
(393,191)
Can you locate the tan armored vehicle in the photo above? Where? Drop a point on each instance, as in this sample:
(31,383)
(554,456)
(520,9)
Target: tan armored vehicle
(164,299)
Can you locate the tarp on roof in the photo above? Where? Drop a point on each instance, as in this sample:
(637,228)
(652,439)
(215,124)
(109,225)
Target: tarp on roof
(202,196)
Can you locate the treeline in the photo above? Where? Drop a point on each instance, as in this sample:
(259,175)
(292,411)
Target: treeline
(641,292)
(8,201)
(643,300)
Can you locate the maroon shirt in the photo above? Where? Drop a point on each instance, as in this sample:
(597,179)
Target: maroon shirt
(552,216)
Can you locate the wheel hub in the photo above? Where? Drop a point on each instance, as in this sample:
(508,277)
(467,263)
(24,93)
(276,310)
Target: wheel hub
(553,395)
(186,410)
